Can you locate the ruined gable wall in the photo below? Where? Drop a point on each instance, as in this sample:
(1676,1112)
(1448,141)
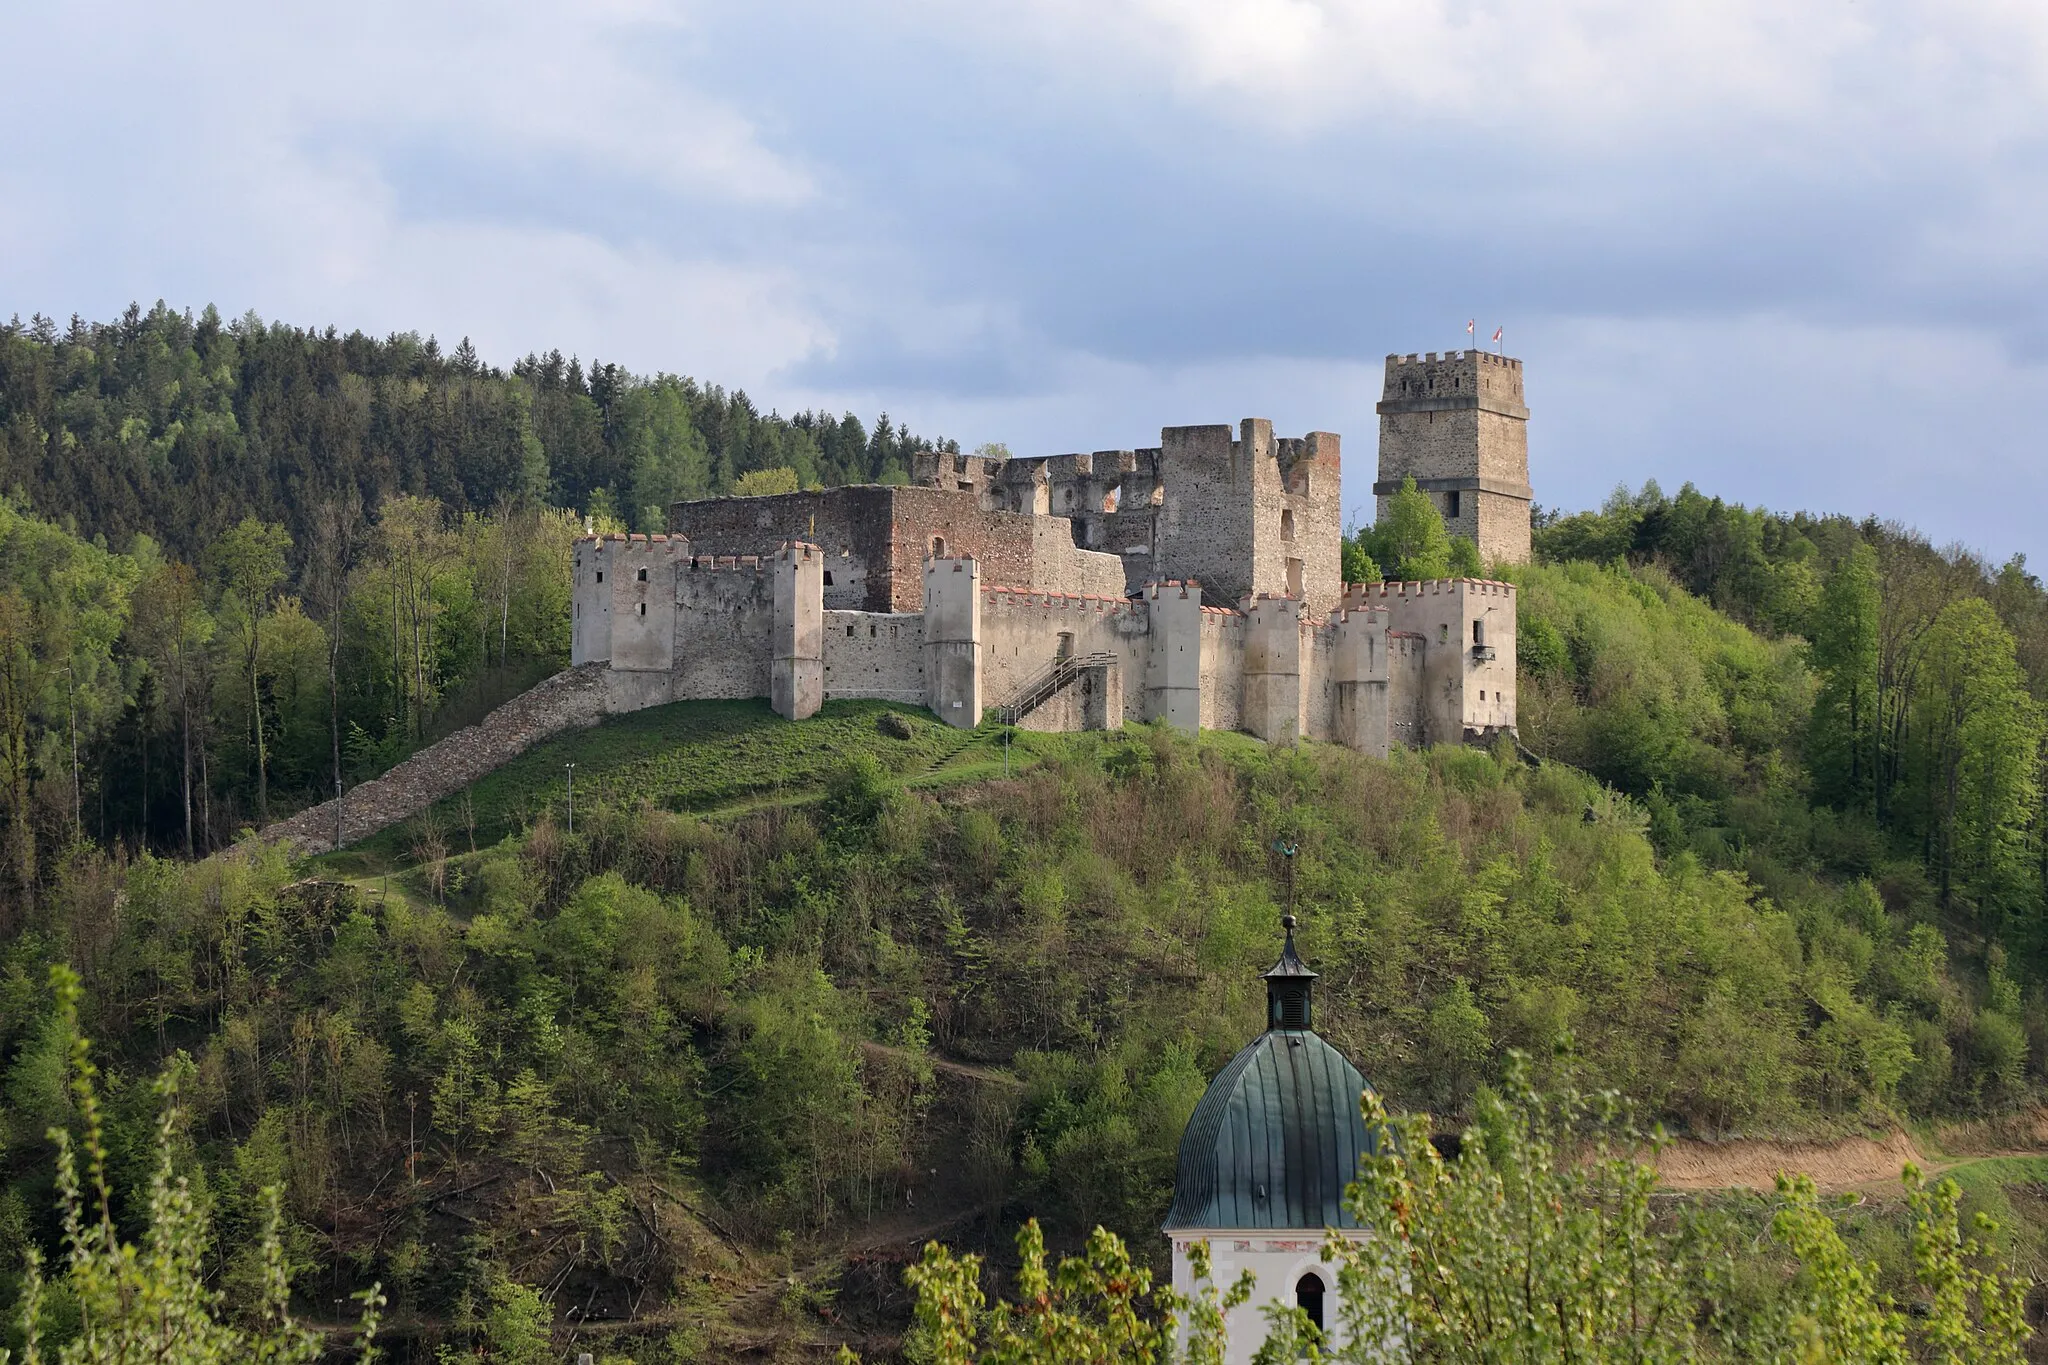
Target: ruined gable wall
(844,522)
(1058,566)
(1204,522)
(875,654)
(1304,519)
(1001,543)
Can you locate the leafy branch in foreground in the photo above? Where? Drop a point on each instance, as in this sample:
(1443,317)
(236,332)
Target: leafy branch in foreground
(151,1302)
(1094,1309)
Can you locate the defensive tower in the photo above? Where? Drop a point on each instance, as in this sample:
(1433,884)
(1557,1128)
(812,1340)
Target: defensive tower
(1458,426)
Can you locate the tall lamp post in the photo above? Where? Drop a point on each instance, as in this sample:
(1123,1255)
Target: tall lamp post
(572,796)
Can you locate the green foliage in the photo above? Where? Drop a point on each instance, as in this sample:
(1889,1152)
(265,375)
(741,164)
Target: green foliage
(764,482)
(150,1302)
(1846,724)
(1094,1309)
(1973,759)
(1409,541)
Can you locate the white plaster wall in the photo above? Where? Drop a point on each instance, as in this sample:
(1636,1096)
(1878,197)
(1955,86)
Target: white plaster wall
(1277,1258)
(875,654)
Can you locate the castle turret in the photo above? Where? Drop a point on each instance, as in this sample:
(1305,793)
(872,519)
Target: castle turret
(796,680)
(952,639)
(1457,425)
(1272,669)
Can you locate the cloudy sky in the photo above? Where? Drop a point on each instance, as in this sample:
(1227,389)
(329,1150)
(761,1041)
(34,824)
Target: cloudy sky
(1793,252)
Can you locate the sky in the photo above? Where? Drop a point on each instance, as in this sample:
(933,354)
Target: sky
(1791,252)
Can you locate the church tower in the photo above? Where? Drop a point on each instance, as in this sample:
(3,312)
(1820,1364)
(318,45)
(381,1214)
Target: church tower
(1265,1161)
(1458,426)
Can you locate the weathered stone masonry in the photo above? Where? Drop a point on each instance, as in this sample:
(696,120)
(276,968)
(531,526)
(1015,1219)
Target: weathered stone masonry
(1197,582)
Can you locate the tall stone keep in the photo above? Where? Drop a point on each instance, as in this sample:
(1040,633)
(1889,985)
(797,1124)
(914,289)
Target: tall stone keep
(1456,423)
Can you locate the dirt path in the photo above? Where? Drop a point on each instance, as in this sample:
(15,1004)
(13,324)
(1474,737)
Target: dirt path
(966,1070)
(1749,1163)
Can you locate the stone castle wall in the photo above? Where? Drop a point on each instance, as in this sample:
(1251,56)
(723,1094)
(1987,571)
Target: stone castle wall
(875,654)
(809,596)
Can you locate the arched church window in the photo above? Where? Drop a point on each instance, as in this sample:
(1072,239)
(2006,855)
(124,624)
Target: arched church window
(1308,1297)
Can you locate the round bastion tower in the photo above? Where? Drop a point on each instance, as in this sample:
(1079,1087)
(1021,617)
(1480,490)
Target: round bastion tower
(1265,1161)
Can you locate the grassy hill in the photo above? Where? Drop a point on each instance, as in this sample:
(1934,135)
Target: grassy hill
(700,756)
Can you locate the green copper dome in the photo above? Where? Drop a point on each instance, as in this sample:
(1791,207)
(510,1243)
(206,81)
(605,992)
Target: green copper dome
(1278,1135)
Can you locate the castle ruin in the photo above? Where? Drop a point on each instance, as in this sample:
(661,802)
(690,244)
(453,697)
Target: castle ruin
(1198,582)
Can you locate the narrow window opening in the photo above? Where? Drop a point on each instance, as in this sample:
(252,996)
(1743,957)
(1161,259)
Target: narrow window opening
(643,575)
(1294,578)
(1479,632)
(1308,1296)
(643,608)
(600,575)
(1443,635)
(871,630)
(938,547)
(1287,524)
(849,632)
(1451,502)
(828,578)
(1066,645)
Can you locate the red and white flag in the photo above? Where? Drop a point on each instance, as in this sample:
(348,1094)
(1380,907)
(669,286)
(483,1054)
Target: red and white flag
(1470,325)
(1496,333)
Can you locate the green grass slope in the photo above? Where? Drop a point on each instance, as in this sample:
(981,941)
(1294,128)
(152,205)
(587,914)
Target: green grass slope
(704,757)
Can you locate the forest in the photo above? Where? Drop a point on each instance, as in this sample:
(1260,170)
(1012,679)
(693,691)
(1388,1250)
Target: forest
(1771,858)
(241,562)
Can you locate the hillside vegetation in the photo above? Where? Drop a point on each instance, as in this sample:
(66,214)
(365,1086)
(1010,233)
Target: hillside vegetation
(1771,858)
(620,1064)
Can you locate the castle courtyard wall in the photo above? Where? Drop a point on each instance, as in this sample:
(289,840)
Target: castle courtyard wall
(878,655)
(725,618)
(1021,633)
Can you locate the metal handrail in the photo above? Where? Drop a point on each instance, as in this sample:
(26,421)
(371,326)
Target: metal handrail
(1042,686)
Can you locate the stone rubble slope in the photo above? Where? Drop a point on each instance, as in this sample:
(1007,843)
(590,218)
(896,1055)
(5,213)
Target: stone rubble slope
(570,700)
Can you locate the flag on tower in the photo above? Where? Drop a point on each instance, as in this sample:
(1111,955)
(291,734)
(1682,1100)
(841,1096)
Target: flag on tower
(1496,333)
(1470,325)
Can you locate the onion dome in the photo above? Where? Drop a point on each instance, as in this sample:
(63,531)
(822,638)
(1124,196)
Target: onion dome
(1278,1136)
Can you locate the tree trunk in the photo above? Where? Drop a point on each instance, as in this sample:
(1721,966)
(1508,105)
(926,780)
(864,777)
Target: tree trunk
(256,719)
